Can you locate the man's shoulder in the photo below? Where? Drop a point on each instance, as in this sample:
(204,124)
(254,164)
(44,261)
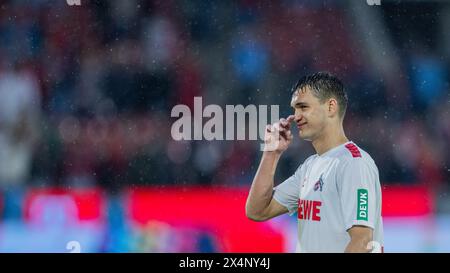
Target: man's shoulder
(309,159)
(351,153)
(305,163)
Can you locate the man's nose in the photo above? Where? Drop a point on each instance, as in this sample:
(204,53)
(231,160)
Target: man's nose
(298,116)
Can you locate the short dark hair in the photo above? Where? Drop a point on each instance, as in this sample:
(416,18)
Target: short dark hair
(325,86)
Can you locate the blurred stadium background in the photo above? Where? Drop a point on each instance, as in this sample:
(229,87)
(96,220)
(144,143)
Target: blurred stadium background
(86,94)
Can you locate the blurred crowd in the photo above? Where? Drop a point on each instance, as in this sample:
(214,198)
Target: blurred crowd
(86,91)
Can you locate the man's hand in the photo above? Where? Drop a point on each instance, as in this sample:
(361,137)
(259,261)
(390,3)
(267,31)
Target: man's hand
(278,136)
(260,205)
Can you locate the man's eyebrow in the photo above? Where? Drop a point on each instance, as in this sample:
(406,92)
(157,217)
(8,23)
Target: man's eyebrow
(299,104)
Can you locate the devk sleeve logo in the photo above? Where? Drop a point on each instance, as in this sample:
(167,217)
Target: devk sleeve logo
(363,205)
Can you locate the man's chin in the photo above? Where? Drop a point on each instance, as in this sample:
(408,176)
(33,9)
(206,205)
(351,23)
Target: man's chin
(304,136)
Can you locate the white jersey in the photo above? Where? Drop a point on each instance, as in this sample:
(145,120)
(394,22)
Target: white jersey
(331,193)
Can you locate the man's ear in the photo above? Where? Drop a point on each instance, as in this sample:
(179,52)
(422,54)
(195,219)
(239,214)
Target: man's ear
(332,107)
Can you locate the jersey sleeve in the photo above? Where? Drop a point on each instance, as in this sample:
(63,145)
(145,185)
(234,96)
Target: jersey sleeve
(287,193)
(356,184)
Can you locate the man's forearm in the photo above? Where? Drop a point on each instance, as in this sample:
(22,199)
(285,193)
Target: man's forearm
(262,186)
(361,237)
(357,247)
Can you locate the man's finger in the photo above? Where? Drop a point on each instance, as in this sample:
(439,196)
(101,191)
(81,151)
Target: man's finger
(287,122)
(281,128)
(276,126)
(284,123)
(289,135)
(285,135)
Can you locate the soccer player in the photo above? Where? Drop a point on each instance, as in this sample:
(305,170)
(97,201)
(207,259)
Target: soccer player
(335,192)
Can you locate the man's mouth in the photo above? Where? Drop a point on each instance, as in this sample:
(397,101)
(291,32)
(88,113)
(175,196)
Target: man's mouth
(300,125)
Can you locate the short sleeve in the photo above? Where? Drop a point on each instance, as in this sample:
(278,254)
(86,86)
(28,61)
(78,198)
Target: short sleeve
(287,193)
(356,183)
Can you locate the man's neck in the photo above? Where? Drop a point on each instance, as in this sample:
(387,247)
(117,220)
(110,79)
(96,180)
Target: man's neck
(329,140)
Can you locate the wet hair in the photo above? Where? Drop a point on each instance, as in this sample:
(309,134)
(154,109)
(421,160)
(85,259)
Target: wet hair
(325,86)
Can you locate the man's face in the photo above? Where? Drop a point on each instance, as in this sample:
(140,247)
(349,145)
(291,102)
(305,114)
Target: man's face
(310,114)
